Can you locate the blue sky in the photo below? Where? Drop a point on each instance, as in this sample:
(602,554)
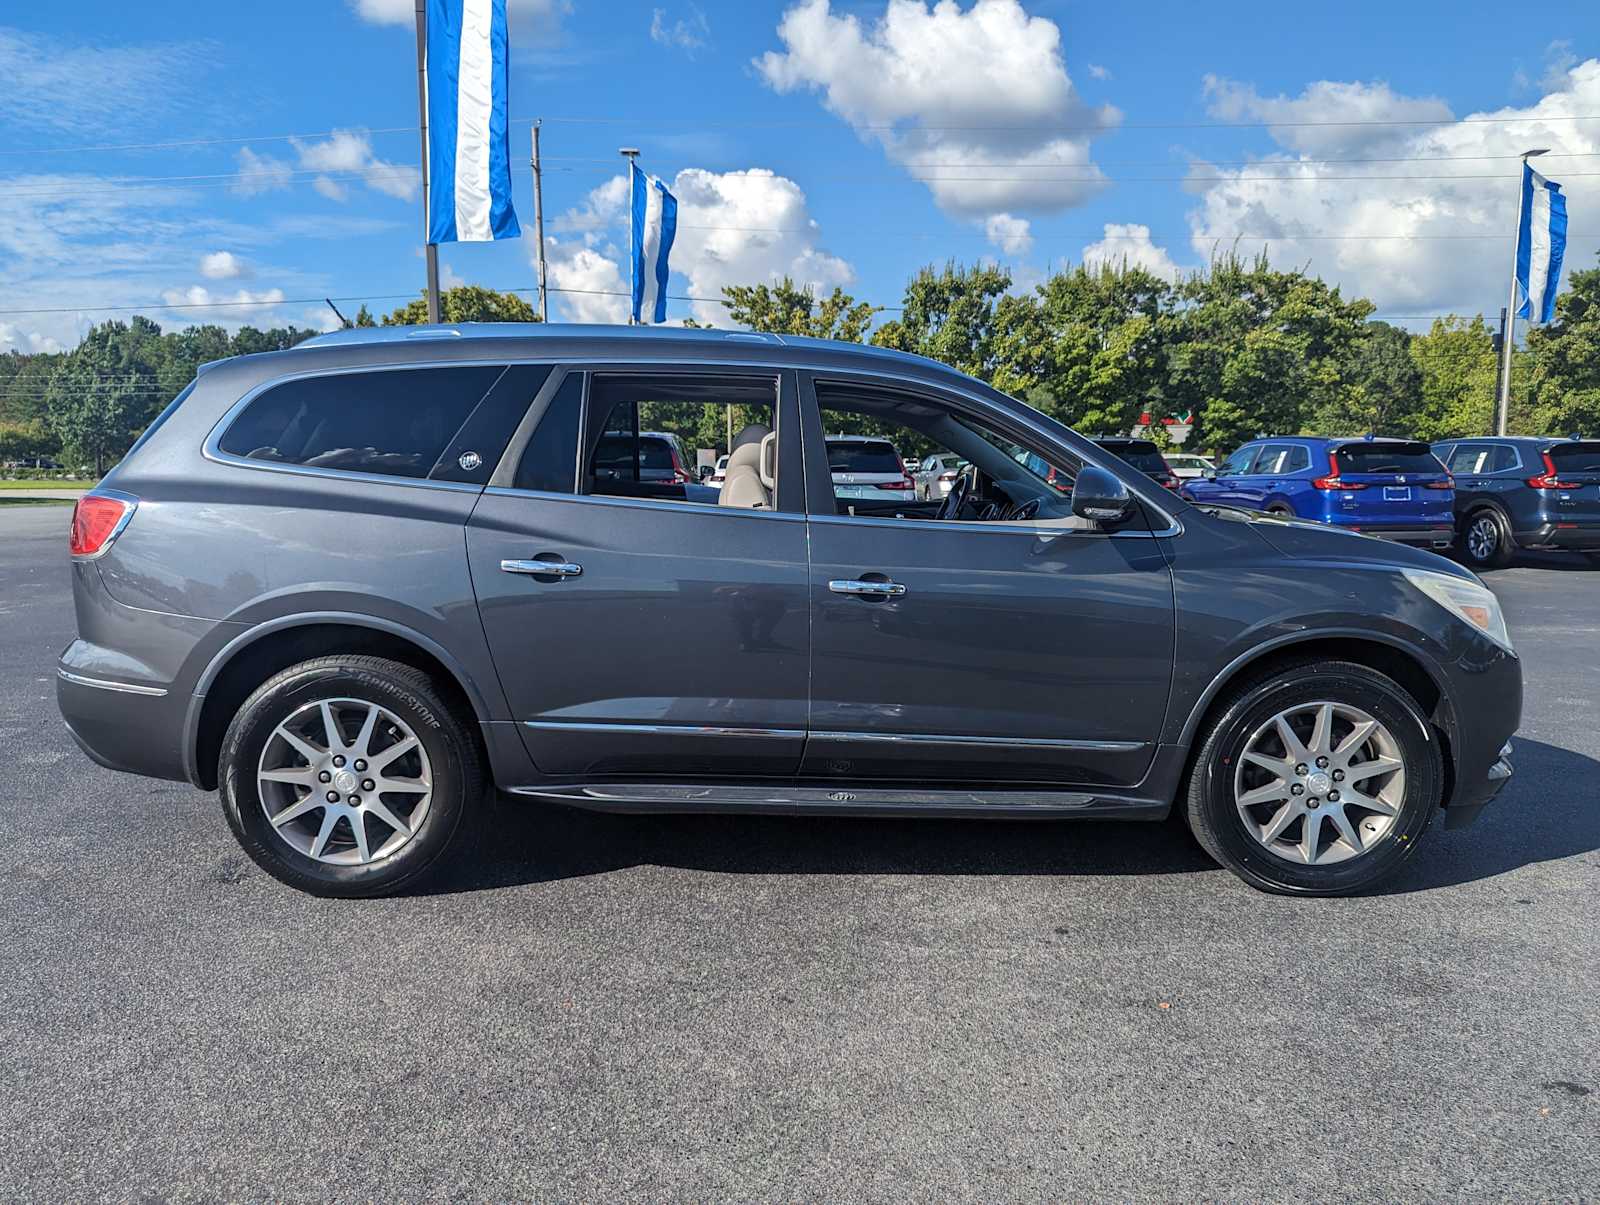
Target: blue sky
(844,143)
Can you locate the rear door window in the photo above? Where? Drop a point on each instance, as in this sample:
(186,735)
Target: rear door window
(1387,458)
(1505,458)
(393,423)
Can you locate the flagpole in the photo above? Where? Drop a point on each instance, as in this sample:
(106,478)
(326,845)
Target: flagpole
(538,227)
(1503,414)
(630,153)
(431,250)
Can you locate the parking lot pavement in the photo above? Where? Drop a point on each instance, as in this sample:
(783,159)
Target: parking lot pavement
(696,1007)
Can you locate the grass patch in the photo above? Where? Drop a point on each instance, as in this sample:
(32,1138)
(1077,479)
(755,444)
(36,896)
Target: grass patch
(45,485)
(4,501)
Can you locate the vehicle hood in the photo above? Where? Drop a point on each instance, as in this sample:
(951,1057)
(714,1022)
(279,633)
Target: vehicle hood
(1299,540)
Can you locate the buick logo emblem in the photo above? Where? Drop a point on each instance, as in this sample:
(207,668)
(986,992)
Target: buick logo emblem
(469,461)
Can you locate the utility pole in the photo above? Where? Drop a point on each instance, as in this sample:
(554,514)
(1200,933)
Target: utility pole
(432,251)
(630,153)
(1504,411)
(538,227)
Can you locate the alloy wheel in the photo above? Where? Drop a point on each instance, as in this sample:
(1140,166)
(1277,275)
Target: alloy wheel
(1320,783)
(1483,536)
(344,781)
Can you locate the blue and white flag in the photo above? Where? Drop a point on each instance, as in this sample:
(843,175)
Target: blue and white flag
(469,158)
(1541,245)
(655,224)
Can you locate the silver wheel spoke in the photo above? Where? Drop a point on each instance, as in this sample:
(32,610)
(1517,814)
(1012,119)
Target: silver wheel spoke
(289,793)
(320,842)
(1362,771)
(295,810)
(1277,780)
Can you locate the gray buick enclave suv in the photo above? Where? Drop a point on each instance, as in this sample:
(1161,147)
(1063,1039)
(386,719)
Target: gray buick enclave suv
(357,585)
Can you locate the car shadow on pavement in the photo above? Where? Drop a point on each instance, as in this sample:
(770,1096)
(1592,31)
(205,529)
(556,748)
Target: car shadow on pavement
(534,842)
(1546,812)
(1538,818)
(1563,562)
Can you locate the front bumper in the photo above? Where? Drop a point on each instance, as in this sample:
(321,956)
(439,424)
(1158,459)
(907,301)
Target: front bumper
(1462,811)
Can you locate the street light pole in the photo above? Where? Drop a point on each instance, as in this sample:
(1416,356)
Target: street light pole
(1503,413)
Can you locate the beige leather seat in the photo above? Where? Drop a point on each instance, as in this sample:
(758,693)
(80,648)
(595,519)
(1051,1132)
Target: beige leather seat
(751,472)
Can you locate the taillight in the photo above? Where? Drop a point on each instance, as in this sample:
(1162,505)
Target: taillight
(897,485)
(97,519)
(1549,480)
(948,476)
(1332,482)
(1171,481)
(1449,483)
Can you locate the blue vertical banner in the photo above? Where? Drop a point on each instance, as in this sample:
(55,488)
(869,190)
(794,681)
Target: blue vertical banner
(469,155)
(1541,245)
(654,225)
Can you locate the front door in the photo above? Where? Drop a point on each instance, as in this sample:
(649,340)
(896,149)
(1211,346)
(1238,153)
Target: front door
(1034,653)
(669,634)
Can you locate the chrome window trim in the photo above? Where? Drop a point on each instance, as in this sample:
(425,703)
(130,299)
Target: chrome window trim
(131,504)
(687,508)
(661,729)
(127,688)
(891,738)
(590,362)
(212,450)
(993,527)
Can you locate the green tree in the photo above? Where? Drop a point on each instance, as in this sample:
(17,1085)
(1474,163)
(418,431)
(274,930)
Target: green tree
(465,303)
(24,378)
(1382,390)
(786,309)
(184,352)
(22,441)
(106,391)
(1460,375)
(1564,363)
(950,316)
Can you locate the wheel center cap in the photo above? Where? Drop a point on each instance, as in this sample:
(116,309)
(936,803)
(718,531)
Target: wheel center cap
(1318,784)
(344,781)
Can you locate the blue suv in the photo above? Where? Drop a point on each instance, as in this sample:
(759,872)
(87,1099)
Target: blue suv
(1524,492)
(1394,488)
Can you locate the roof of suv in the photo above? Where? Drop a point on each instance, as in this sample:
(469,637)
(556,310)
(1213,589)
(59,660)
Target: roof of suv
(1545,440)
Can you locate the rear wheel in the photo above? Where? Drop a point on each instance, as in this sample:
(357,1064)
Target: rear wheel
(1319,779)
(348,775)
(1485,539)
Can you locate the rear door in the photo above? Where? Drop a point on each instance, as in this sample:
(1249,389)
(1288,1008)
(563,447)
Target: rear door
(1577,465)
(1394,483)
(670,635)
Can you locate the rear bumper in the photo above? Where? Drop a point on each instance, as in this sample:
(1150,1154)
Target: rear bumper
(1439,535)
(1574,538)
(123,725)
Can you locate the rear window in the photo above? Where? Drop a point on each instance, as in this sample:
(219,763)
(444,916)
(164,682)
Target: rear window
(395,423)
(862,456)
(1387,458)
(1578,456)
(1145,457)
(615,454)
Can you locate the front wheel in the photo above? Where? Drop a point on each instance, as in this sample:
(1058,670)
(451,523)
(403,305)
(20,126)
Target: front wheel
(348,775)
(1320,779)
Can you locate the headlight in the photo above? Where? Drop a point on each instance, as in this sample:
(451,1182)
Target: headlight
(1466,600)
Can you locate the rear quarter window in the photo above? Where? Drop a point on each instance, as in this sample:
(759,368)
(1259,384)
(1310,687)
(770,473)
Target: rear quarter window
(396,423)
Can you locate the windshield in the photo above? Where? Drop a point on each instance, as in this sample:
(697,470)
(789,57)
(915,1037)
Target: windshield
(1387,458)
(862,456)
(1579,456)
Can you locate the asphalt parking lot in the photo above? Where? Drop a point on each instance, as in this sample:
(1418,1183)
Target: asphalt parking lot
(696,1007)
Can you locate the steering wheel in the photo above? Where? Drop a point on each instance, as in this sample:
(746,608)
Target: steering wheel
(950,508)
(1028,510)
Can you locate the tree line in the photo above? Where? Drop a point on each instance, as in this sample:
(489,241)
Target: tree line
(1240,348)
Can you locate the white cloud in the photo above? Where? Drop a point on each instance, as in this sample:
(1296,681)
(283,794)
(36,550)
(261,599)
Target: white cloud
(977,103)
(240,306)
(686,33)
(1357,212)
(53,85)
(594,279)
(15,338)
(739,227)
(1096,71)
(526,16)
(1009,233)
(223,265)
(1130,244)
(332,162)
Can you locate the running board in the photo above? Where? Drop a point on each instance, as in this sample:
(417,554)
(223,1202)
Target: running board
(851,801)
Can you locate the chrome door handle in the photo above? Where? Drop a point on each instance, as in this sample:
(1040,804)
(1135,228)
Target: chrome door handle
(868,589)
(542,568)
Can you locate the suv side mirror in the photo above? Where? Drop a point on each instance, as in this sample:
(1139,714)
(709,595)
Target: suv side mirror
(1100,496)
(1209,474)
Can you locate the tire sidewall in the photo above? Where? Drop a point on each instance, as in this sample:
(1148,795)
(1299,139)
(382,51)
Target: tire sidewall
(1501,553)
(1420,754)
(287,693)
